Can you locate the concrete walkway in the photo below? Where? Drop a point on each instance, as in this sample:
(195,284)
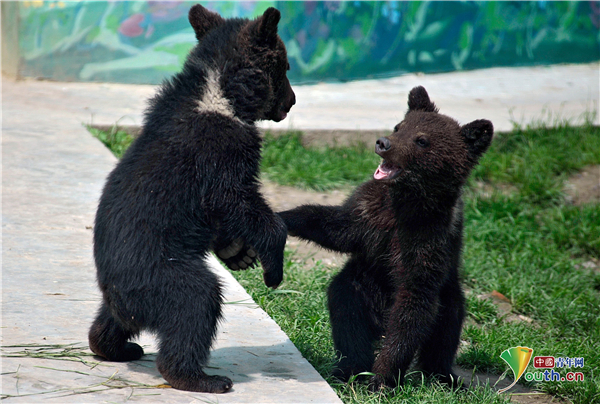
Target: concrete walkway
(53,171)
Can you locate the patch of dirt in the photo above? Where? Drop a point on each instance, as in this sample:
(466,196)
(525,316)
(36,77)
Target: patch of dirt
(504,307)
(487,190)
(282,197)
(592,263)
(584,187)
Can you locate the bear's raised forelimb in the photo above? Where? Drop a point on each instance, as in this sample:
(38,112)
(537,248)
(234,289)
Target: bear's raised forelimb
(331,227)
(262,237)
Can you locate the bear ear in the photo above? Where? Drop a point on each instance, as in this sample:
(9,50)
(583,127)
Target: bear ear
(203,20)
(263,30)
(478,136)
(267,25)
(418,100)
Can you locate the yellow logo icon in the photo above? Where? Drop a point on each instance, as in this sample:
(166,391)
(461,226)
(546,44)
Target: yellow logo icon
(517,358)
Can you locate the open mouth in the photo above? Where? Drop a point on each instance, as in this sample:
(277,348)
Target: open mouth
(386,171)
(280,114)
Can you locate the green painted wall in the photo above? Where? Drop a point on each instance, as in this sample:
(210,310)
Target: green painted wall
(143,42)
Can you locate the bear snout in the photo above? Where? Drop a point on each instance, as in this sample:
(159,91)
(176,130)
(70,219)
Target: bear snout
(288,99)
(291,98)
(382,145)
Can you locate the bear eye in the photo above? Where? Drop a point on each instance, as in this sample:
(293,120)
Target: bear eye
(422,142)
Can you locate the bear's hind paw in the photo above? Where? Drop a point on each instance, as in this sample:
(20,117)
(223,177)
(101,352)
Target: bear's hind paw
(206,384)
(130,352)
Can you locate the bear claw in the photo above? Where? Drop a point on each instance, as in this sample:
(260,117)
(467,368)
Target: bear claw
(206,384)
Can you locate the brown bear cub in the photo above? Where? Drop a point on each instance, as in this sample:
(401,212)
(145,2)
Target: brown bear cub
(187,186)
(403,230)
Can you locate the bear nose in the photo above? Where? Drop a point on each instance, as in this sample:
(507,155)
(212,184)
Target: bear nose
(382,144)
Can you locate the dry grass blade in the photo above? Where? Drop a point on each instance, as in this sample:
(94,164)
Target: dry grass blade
(67,352)
(111,383)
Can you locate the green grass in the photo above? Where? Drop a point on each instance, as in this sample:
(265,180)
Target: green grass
(521,239)
(116,140)
(538,160)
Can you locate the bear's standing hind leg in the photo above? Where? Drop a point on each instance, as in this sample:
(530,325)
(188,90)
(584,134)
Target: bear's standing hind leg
(191,301)
(109,339)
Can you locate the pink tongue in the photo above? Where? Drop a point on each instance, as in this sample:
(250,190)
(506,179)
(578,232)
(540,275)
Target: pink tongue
(380,173)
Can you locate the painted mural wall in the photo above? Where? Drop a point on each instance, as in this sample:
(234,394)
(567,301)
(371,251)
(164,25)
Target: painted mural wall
(145,41)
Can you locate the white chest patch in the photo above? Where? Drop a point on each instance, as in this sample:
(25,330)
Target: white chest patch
(213,99)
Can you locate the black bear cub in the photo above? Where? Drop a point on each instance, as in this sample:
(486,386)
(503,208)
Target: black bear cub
(188,186)
(403,230)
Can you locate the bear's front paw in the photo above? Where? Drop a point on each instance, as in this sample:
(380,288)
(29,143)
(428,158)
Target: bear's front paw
(273,278)
(238,255)
(377,383)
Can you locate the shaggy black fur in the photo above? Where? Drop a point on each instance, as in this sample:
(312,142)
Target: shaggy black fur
(403,231)
(187,186)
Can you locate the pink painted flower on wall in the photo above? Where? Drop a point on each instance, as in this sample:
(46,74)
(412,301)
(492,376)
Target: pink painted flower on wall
(131,26)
